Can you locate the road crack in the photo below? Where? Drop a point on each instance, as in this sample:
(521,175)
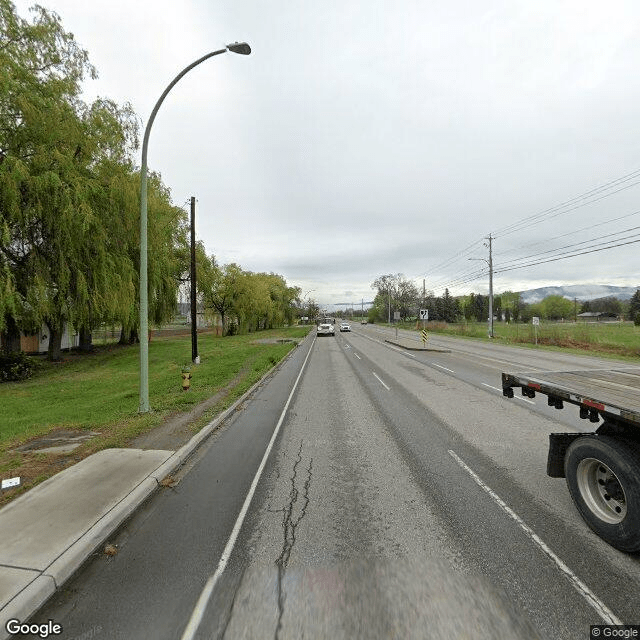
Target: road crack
(289,526)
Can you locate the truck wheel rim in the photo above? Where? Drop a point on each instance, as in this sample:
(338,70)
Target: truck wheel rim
(601,490)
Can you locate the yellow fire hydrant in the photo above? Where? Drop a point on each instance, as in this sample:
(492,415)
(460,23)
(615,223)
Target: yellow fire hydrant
(186,379)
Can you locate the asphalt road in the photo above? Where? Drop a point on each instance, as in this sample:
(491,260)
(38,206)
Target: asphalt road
(403,496)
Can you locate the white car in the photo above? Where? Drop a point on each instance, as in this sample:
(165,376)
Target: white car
(345,326)
(326,329)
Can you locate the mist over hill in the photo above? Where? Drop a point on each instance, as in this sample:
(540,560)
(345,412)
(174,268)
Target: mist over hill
(580,291)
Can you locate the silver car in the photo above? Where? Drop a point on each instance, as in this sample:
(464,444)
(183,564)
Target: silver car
(345,326)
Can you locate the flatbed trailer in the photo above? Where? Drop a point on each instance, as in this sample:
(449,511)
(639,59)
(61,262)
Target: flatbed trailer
(601,467)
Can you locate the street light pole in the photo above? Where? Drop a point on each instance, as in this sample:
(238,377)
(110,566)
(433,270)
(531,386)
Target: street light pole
(304,297)
(239,47)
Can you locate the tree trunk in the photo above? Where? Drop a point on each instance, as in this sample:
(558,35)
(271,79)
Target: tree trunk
(128,336)
(86,340)
(11,336)
(54,353)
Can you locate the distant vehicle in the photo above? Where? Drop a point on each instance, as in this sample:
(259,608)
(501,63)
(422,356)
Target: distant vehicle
(326,329)
(364,322)
(345,326)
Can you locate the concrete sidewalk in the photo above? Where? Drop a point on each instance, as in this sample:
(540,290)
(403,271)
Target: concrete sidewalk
(415,345)
(48,532)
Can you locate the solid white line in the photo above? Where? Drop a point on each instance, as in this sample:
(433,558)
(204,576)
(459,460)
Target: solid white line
(525,400)
(441,367)
(380,381)
(201,605)
(357,356)
(490,387)
(603,611)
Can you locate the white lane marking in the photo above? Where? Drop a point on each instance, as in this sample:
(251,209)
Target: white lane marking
(603,611)
(201,605)
(380,381)
(441,367)
(357,356)
(500,390)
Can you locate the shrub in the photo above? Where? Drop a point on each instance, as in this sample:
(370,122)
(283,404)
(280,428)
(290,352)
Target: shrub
(16,366)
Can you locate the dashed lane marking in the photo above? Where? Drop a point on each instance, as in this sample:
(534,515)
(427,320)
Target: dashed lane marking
(380,381)
(441,367)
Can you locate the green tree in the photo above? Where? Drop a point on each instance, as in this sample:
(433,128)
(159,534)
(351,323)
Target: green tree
(556,307)
(608,304)
(634,307)
(57,158)
(511,304)
(223,293)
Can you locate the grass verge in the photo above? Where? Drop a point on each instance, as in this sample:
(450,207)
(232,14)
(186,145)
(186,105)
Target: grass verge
(100,393)
(620,340)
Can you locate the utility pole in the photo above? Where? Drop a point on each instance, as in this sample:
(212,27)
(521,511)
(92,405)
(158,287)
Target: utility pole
(195,358)
(490,289)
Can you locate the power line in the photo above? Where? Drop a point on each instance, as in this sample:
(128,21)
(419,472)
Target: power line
(576,244)
(561,209)
(570,233)
(566,256)
(588,197)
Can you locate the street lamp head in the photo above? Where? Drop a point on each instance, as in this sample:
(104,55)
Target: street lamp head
(240,47)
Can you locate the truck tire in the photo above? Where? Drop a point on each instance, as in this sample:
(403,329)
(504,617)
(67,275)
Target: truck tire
(603,476)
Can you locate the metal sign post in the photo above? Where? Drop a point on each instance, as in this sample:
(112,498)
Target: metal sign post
(424,316)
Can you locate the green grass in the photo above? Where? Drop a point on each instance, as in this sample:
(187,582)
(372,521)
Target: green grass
(613,339)
(100,391)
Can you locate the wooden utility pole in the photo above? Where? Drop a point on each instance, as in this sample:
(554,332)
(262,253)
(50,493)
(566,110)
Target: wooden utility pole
(194,327)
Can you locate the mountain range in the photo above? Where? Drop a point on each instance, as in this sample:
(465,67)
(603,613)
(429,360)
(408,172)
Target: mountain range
(580,291)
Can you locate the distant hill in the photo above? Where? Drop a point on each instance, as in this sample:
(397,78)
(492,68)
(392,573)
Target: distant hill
(580,291)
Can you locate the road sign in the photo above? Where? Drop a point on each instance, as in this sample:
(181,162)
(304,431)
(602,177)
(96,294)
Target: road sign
(424,314)
(396,315)
(424,335)
(535,320)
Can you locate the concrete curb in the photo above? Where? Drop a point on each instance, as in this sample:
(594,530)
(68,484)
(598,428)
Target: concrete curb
(27,602)
(405,344)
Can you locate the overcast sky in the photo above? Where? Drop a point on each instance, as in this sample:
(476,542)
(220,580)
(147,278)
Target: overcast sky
(365,138)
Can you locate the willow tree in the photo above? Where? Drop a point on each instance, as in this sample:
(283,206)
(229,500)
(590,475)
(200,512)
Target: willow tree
(58,161)
(40,72)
